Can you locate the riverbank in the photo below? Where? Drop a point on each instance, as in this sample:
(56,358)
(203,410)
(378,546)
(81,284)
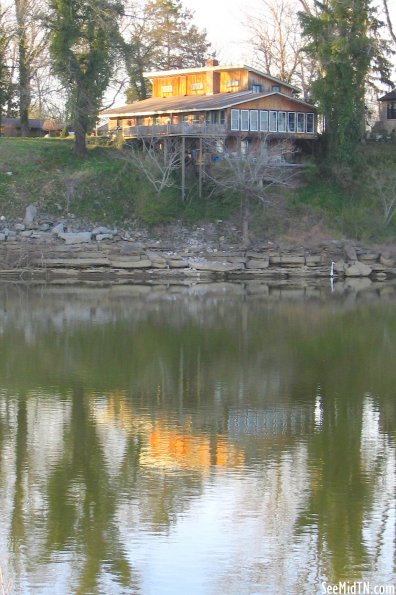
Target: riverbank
(40,249)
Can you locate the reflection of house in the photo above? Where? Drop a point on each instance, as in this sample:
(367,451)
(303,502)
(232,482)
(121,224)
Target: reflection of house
(387,112)
(181,449)
(238,105)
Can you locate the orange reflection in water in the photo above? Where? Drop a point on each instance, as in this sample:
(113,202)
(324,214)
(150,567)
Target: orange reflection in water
(174,448)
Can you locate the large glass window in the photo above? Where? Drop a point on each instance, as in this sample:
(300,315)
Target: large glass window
(244,119)
(273,121)
(291,125)
(235,119)
(254,120)
(310,123)
(300,122)
(282,121)
(264,121)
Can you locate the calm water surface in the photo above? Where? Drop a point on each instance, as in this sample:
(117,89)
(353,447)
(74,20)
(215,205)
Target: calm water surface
(213,440)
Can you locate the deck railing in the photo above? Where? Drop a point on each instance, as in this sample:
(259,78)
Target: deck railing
(182,129)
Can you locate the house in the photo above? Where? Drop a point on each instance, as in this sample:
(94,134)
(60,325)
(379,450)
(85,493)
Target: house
(236,104)
(387,112)
(12,127)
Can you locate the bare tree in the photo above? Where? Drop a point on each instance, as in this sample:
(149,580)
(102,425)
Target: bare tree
(253,175)
(383,181)
(276,39)
(389,21)
(157,160)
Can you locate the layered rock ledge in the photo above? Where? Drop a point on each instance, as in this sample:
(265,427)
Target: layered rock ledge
(49,254)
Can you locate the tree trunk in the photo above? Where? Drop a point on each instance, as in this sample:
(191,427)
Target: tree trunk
(80,145)
(24,67)
(245,215)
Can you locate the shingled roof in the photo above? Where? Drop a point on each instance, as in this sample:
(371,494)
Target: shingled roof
(391,96)
(190,103)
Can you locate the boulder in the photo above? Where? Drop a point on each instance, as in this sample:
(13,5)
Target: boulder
(57,229)
(358,269)
(350,252)
(387,260)
(30,214)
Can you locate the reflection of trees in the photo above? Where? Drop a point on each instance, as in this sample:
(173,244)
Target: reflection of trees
(87,520)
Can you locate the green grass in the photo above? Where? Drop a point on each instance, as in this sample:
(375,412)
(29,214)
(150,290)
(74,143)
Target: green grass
(104,188)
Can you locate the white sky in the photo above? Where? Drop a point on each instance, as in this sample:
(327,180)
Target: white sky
(225,23)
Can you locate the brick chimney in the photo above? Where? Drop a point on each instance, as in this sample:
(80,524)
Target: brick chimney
(211,62)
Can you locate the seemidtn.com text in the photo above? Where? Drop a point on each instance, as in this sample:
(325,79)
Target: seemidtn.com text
(357,588)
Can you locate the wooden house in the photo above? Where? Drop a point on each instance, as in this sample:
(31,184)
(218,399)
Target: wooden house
(237,104)
(216,109)
(387,112)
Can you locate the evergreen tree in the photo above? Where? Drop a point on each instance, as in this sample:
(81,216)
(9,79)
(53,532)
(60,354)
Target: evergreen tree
(343,36)
(83,42)
(162,37)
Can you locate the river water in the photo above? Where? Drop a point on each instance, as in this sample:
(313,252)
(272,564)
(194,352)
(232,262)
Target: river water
(211,440)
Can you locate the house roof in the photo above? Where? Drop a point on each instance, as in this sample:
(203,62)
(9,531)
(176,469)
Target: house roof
(191,103)
(391,96)
(16,122)
(176,72)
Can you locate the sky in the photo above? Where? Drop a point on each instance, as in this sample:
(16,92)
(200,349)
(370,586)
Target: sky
(225,23)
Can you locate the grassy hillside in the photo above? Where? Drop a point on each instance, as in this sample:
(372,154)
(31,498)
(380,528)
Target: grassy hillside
(105,188)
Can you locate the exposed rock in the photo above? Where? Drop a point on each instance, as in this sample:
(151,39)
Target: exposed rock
(358,269)
(290,260)
(103,236)
(130,263)
(177,263)
(387,260)
(44,227)
(350,252)
(313,260)
(215,267)
(30,214)
(256,263)
(103,230)
(78,237)
(3,237)
(132,248)
(58,229)
(20,227)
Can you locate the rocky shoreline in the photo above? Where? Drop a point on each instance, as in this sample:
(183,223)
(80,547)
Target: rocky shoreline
(42,250)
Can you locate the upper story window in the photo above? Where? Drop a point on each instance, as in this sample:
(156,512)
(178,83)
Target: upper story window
(256,88)
(391,111)
(232,83)
(196,86)
(276,88)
